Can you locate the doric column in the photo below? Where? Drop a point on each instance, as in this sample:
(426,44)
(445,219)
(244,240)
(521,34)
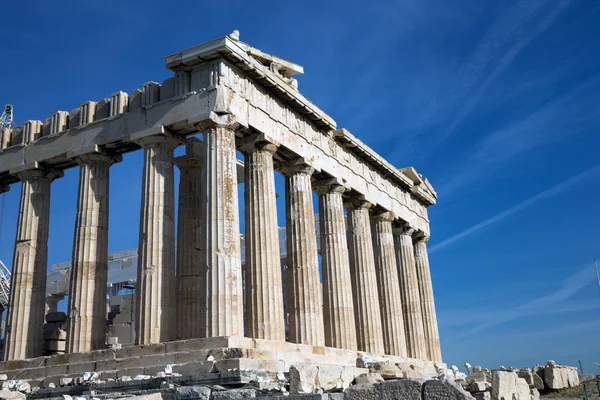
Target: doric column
(222,311)
(189,247)
(364,278)
(264,293)
(155,291)
(305,300)
(432,338)
(89,272)
(390,300)
(338,307)
(27,304)
(409,289)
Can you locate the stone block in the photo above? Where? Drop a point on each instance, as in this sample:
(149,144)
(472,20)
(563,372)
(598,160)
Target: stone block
(387,370)
(194,368)
(303,378)
(144,350)
(80,368)
(74,118)
(150,93)
(538,382)
(369,378)
(402,389)
(118,103)
(135,100)
(11,395)
(57,316)
(560,376)
(145,361)
(234,394)
(87,113)
(106,365)
(476,386)
(506,385)
(102,109)
(192,392)
(236,363)
(534,394)
(444,390)
(55,345)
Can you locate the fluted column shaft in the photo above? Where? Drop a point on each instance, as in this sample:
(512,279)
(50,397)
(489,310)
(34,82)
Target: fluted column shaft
(305,300)
(26,308)
(89,272)
(222,311)
(264,292)
(390,300)
(409,289)
(364,279)
(155,293)
(189,248)
(432,338)
(338,306)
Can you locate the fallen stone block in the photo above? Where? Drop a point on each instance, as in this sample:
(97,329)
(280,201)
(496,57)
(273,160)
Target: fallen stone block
(386,369)
(402,389)
(506,385)
(234,394)
(192,392)
(444,390)
(371,378)
(153,396)
(560,376)
(476,386)
(534,394)
(303,378)
(10,395)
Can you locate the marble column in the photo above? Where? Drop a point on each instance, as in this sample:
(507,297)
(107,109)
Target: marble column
(432,338)
(409,289)
(364,278)
(25,319)
(390,300)
(222,311)
(264,293)
(189,248)
(305,300)
(338,306)
(155,317)
(89,272)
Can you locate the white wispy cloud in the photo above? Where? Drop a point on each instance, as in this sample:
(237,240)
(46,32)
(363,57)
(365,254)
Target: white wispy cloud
(553,191)
(466,83)
(550,303)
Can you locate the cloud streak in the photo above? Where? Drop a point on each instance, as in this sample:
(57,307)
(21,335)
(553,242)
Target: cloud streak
(547,304)
(553,191)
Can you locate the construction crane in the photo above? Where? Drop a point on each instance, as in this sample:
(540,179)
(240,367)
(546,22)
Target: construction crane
(6,123)
(7,120)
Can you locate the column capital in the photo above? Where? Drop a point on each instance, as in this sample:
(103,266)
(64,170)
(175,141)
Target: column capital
(357,203)
(296,166)
(256,142)
(420,236)
(405,229)
(39,172)
(187,161)
(98,157)
(384,216)
(169,141)
(329,186)
(227,121)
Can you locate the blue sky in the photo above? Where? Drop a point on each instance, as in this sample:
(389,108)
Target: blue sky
(497,103)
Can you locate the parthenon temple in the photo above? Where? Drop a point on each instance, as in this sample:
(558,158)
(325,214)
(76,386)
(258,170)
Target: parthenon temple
(369,295)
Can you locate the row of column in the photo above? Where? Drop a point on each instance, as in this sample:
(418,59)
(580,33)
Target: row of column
(375,294)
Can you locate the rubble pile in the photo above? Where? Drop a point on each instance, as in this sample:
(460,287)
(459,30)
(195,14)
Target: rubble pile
(519,384)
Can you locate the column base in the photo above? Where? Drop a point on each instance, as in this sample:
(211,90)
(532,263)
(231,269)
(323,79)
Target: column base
(201,358)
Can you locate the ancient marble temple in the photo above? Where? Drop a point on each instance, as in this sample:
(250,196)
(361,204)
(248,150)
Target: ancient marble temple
(372,291)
